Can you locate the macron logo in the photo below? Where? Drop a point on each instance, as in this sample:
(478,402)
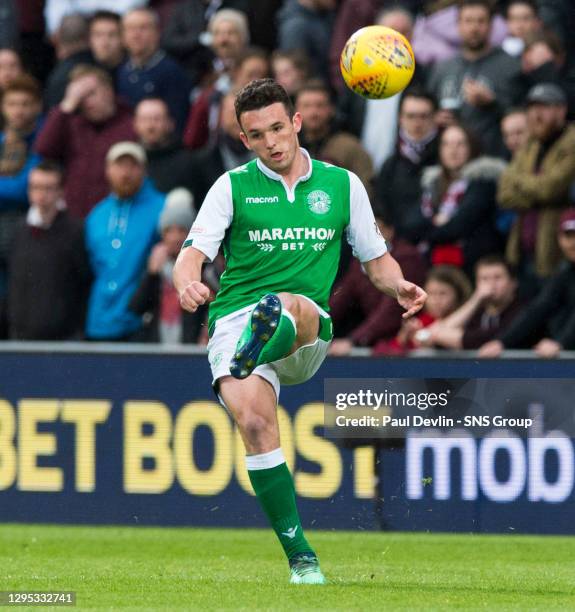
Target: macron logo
(263,200)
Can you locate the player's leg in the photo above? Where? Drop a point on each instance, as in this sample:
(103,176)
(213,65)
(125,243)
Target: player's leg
(279,325)
(252,403)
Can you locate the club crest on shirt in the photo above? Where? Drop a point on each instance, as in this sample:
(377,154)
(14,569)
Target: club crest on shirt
(319,202)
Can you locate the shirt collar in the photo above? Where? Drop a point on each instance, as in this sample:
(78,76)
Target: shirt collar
(151,63)
(278,177)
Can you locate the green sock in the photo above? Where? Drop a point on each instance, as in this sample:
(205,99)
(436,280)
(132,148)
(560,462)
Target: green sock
(273,485)
(279,345)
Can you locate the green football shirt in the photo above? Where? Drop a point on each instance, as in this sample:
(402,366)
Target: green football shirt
(279,239)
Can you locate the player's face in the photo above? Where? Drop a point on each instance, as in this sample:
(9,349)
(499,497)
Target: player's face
(474,27)
(272,135)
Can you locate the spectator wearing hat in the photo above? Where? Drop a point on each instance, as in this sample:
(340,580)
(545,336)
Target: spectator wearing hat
(120,232)
(156,299)
(79,132)
(548,323)
(536,185)
(49,269)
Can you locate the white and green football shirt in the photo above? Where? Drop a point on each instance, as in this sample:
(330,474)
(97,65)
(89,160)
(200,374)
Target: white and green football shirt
(280,239)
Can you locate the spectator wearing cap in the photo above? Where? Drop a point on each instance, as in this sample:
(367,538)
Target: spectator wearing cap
(49,268)
(548,323)
(79,132)
(168,160)
(148,70)
(120,232)
(156,299)
(536,185)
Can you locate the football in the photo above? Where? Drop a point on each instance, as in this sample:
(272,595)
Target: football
(377,62)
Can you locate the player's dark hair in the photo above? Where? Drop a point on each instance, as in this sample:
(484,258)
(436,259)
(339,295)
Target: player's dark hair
(494,260)
(417,91)
(48,165)
(103,15)
(316,86)
(532,4)
(454,277)
(259,94)
(486,4)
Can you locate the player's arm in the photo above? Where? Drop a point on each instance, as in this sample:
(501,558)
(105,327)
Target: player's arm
(203,243)
(370,248)
(384,272)
(187,279)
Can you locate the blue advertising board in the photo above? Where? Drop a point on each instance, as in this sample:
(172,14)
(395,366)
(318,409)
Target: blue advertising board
(124,438)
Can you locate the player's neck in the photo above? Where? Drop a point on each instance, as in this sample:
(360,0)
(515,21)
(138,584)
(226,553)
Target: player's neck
(298,168)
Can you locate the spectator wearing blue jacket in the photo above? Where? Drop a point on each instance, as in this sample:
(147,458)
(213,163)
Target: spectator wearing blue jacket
(120,233)
(149,71)
(21,108)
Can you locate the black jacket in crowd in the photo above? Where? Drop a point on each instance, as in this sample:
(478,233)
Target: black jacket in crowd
(473,225)
(169,167)
(550,315)
(49,281)
(398,186)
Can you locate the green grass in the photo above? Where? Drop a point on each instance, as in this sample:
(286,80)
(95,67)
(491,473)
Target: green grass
(188,569)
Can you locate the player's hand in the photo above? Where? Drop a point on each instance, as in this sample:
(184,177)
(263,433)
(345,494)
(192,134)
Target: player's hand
(411,297)
(193,296)
(547,348)
(158,258)
(491,349)
(340,347)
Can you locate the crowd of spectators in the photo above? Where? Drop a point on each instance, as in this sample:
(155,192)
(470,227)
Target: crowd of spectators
(117,117)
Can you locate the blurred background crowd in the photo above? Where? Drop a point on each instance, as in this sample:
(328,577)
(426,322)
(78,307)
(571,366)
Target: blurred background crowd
(117,117)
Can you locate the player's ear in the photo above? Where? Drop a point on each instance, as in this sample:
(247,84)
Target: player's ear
(296,122)
(244,139)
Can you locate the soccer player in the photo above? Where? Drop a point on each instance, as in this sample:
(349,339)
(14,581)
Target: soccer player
(281,218)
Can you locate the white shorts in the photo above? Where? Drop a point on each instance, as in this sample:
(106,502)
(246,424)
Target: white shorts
(291,370)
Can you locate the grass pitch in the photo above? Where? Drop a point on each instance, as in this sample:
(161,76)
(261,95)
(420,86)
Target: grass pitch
(188,569)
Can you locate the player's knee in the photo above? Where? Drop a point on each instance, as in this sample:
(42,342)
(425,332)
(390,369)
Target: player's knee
(289,302)
(252,425)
